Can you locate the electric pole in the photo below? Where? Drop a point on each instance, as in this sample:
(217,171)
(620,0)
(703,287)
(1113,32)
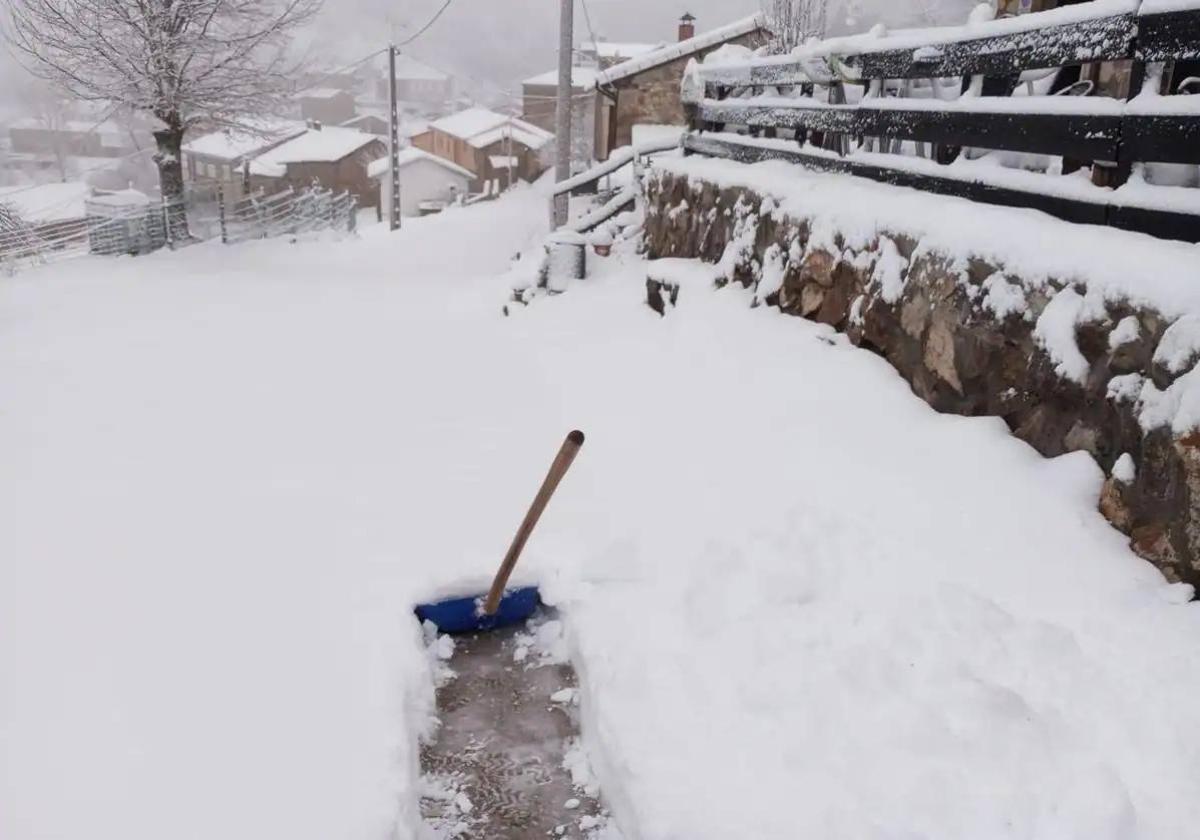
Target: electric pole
(393,142)
(562,113)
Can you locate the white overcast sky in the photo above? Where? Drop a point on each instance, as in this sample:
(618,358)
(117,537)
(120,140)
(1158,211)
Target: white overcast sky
(506,40)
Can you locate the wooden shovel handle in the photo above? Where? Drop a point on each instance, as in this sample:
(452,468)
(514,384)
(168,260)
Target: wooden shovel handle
(562,462)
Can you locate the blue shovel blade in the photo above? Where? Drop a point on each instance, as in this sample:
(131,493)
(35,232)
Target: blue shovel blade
(461,615)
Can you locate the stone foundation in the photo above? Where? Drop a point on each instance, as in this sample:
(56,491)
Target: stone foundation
(970,341)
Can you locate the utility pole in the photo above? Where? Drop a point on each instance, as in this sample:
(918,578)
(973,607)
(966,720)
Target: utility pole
(562,113)
(508,157)
(393,141)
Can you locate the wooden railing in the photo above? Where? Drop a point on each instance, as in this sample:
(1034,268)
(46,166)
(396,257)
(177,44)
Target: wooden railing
(867,104)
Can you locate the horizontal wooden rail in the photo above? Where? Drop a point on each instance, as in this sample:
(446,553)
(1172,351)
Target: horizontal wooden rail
(1104,211)
(1106,133)
(1169,35)
(1084,136)
(1104,39)
(964,52)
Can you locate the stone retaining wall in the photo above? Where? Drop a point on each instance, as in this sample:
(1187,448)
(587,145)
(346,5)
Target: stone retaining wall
(1064,369)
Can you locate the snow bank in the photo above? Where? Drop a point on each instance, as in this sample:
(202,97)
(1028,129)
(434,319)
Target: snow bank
(1114,264)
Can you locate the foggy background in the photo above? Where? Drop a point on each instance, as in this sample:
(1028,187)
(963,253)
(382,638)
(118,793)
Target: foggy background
(493,44)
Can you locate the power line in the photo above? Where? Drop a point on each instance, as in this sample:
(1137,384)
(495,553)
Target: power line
(587,16)
(349,66)
(425,28)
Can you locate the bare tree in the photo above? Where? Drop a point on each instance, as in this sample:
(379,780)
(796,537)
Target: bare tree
(795,21)
(186,62)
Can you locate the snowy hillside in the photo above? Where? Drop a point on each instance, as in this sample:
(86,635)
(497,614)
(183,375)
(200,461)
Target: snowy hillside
(802,604)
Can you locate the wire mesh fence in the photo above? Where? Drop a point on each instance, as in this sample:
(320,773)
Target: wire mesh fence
(117,225)
(288,213)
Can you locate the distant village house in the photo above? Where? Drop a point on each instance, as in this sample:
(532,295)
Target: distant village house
(371,123)
(222,156)
(329,106)
(331,157)
(428,183)
(495,148)
(418,83)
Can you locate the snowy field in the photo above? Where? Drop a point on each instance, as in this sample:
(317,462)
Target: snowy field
(803,605)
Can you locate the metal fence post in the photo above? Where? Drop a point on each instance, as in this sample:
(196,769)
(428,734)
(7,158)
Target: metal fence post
(221,214)
(166,217)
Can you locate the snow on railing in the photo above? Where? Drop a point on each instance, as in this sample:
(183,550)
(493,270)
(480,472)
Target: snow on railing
(1018,90)
(1094,31)
(623,200)
(619,159)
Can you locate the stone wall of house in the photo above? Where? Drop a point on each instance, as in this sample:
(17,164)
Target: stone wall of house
(967,339)
(652,97)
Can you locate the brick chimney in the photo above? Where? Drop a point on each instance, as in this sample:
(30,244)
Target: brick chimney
(687,26)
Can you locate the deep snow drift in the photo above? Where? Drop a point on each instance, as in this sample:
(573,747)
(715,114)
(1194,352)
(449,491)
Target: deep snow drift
(801,603)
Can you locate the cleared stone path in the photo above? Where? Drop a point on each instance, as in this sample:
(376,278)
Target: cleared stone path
(496,769)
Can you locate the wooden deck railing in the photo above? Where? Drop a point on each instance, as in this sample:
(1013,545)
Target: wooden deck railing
(1008,85)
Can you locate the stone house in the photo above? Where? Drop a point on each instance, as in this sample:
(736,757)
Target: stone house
(332,157)
(493,147)
(645,90)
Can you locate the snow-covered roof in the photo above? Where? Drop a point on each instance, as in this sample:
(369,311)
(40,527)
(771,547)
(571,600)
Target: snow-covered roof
(379,168)
(408,68)
(122,198)
(321,93)
(235,144)
(581,77)
(619,49)
(683,48)
(526,134)
(466,124)
(48,202)
(411,127)
(481,127)
(316,145)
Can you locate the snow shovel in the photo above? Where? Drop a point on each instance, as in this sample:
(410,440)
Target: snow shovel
(500,607)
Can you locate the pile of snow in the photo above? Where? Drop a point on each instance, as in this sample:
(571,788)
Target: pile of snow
(802,604)
(1113,264)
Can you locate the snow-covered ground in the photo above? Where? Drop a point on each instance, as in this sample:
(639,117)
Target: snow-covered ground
(802,604)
